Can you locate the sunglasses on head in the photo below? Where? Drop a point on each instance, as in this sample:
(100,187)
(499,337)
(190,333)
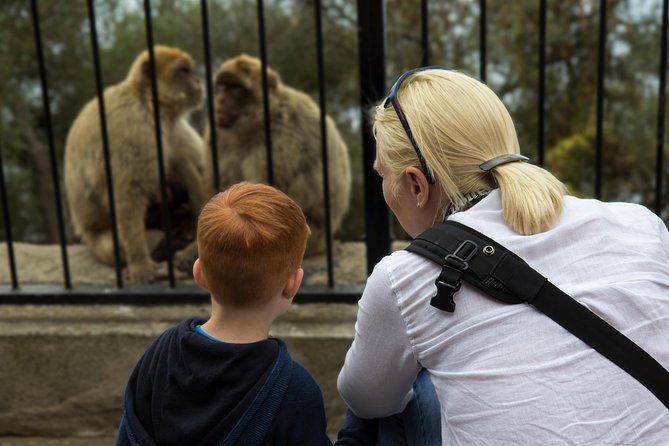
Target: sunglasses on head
(392,99)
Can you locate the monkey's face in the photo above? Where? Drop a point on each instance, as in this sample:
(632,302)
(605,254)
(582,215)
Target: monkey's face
(179,88)
(192,88)
(231,100)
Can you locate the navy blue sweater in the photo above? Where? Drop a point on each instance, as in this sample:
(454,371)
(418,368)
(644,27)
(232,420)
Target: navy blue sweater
(190,390)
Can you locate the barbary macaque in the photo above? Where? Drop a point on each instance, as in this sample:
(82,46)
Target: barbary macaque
(134,158)
(182,223)
(296,143)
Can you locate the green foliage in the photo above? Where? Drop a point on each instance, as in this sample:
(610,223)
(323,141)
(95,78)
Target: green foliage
(631,99)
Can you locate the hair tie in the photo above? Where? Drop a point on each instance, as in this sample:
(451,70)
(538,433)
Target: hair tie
(508,158)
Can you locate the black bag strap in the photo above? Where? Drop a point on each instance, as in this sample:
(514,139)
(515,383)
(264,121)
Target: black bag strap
(467,254)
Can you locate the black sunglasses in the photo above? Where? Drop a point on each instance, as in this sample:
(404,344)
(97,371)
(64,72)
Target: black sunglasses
(392,99)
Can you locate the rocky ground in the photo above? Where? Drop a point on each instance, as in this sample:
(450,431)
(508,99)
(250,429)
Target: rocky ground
(42,264)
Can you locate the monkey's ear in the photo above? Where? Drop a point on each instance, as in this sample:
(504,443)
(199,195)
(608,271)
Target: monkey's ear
(146,69)
(272,80)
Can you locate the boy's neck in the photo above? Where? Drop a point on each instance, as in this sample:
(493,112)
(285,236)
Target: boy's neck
(240,325)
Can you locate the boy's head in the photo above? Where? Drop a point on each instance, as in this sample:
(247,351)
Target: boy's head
(250,238)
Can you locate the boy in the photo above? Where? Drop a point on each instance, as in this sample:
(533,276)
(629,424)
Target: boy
(224,381)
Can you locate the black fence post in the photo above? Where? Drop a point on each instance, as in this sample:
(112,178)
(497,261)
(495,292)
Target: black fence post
(210,93)
(541,112)
(371,53)
(265,90)
(105,141)
(8,225)
(601,66)
(425,32)
(662,102)
(483,40)
(324,140)
(52,144)
(159,142)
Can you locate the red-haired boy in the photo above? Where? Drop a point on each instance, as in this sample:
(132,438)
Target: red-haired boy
(224,381)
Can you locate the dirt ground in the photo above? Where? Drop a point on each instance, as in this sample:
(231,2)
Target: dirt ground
(42,264)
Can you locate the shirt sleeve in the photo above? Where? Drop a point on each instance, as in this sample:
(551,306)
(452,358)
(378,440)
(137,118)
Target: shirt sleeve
(380,367)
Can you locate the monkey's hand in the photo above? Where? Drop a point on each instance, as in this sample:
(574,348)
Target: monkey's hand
(184,259)
(152,272)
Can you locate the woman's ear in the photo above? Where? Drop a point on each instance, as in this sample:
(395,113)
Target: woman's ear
(418,185)
(198,275)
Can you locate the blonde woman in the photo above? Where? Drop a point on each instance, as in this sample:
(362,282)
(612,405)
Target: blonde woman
(503,374)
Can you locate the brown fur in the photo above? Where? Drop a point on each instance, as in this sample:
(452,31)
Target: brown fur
(296,143)
(133,153)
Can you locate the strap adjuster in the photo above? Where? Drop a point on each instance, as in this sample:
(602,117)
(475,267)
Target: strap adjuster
(460,258)
(448,282)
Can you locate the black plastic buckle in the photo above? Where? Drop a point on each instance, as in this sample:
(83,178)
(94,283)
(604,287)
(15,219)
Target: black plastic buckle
(448,282)
(444,297)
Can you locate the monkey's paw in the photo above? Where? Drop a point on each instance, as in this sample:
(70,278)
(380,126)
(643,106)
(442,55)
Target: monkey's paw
(150,273)
(184,259)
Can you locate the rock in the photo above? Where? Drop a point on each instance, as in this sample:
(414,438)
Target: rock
(42,264)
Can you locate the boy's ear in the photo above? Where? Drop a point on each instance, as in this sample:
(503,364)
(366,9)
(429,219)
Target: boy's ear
(198,275)
(293,284)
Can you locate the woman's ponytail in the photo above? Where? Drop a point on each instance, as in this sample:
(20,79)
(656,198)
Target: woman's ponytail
(532,198)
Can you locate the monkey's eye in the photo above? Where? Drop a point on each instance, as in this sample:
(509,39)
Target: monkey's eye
(228,88)
(184,70)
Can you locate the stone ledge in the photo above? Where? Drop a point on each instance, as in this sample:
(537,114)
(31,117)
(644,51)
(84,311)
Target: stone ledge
(64,367)
(63,441)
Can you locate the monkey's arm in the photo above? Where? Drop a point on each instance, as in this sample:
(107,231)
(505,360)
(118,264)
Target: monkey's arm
(190,176)
(131,210)
(188,165)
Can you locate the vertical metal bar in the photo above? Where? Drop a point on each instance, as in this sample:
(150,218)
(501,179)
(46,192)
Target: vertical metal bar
(483,40)
(324,140)
(210,92)
(425,33)
(661,105)
(541,126)
(159,141)
(601,66)
(52,145)
(8,225)
(371,54)
(265,90)
(105,140)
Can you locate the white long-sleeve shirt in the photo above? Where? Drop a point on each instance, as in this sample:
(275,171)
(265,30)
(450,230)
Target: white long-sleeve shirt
(507,374)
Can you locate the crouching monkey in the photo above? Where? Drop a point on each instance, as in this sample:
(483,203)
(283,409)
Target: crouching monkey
(296,143)
(134,159)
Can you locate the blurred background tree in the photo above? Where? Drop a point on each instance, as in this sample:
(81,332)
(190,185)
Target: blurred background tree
(632,64)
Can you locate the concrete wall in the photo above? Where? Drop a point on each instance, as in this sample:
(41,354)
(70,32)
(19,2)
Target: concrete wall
(63,368)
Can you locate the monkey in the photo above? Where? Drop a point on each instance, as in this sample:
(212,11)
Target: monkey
(134,158)
(182,222)
(296,143)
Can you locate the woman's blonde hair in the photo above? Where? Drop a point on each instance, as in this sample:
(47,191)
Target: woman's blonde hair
(458,124)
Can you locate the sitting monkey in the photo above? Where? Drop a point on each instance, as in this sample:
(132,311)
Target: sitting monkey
(134,159)
(296,143)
